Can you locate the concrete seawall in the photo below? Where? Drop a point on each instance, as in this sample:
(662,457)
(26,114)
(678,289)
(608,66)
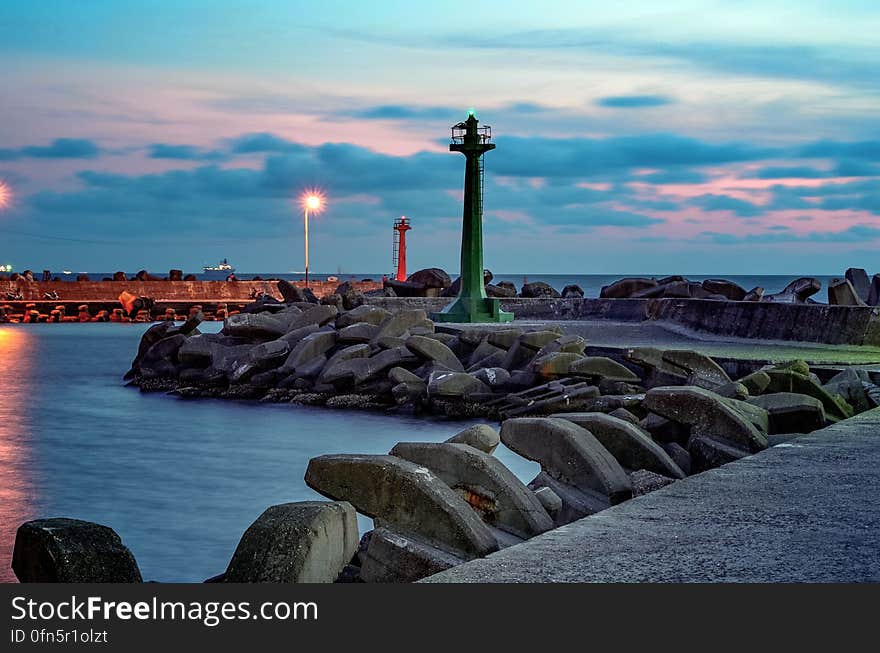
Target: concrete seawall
(174,291)
(803,511)
(820,323)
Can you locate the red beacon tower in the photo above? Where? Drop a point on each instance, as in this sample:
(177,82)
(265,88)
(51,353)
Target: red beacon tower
(398,249)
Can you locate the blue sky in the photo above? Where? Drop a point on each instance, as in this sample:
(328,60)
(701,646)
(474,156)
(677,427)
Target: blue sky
(698,137)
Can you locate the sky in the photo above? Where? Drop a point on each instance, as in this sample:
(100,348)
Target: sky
(632,137)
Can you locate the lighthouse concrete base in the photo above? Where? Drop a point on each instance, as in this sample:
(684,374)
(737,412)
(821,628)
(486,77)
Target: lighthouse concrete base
(473,310)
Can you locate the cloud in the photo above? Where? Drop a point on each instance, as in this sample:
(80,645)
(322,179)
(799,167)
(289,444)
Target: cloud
(60,148)
(403,112)
(869,150)
(263,142)
(790,172)
(713,202)
(182,152)
(584,157)
(633,101)
(855,234)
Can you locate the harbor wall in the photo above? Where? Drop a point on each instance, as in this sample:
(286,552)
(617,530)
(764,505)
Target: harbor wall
(819,323)
(169,291)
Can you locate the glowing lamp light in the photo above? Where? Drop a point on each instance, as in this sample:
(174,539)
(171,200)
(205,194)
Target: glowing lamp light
(5,195)
(471,112)
(312,201)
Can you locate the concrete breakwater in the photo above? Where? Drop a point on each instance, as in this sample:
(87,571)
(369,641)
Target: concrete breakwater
(602,431)
(85,301)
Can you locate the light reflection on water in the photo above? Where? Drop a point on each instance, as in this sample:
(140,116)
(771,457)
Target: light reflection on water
(179,481)
(16,360)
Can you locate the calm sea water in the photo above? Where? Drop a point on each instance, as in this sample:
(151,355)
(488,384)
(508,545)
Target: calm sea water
(179,480)
(590,283)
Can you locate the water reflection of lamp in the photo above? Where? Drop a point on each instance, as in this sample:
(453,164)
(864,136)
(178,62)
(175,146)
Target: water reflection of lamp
(16,495)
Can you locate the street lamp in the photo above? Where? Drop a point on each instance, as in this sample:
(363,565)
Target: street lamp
(312,201)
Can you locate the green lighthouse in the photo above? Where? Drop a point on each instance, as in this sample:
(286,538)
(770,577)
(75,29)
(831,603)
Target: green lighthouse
(472,304)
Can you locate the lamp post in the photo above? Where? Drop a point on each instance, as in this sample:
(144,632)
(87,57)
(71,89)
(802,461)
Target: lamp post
(311,202)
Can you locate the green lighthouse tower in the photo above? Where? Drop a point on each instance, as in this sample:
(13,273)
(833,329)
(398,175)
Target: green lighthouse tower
(472,304)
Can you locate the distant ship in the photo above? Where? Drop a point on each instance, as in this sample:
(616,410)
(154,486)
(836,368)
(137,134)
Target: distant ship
(223,266)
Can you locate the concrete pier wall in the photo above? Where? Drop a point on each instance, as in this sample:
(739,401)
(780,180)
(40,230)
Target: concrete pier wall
(174,291)
(820,323)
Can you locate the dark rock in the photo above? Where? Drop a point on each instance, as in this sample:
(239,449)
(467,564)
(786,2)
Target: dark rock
(708,453)
(309,296)
(143,275)
(856,387)
(797,292)
(538,289)
(754,295)
(679,455)
(64,550)
(332,300)
(874,291)
(842,293)
(434,350)
(729,289)
(782,380)
(508,287)
(494,377)
(430,278)
(365,313)
(600,367)
(756,382)
(358,333)
(626,287)
(397,324)
(572,291)
(502,292)
(455,384)
(455,286)
(405,288)
(290,293)
(791,413)
(259,326)
(858,278)
(351,298)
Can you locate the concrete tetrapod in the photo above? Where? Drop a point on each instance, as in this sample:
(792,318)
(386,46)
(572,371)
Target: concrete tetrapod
(405,496)
(707,414)
(305,542)
(574,464)
(628,443)
(62,550)
(393,557)
(484,482)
